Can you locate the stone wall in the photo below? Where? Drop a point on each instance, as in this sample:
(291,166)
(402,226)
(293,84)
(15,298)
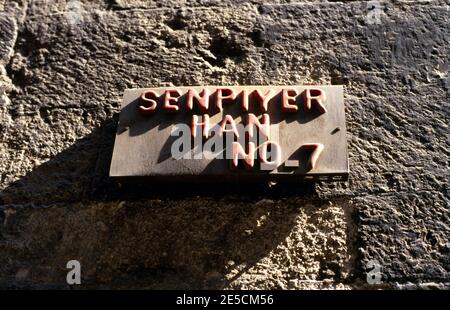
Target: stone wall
(64,66)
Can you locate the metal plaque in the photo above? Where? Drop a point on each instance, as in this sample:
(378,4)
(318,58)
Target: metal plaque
(221,133)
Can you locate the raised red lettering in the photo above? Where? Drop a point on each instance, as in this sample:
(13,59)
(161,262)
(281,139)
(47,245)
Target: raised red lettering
(203,100)
(288,95)
(224,95)
(148,102)
(168,99)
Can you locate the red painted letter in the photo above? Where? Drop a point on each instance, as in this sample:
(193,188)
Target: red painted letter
(275,155)
(264,99)
(244,98)
(286,97)
(239,152)
(224,94)
(148,102)
(318,96)
(228,119)
(205,125)
(264,128)
(203,100)
(316,149)
(168,99)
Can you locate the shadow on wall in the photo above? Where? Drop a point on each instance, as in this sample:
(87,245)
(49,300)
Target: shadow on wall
(186,235)
(81,173)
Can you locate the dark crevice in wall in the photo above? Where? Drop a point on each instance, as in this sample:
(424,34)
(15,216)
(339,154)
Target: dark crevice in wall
(177,22)
(223,48)
(114,5)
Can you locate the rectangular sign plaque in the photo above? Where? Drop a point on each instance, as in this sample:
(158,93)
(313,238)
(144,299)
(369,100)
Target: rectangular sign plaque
(220,133)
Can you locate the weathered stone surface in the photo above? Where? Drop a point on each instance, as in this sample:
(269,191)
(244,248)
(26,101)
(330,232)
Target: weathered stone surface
(8,27)
(64,68)
(407,233)
(197,243)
